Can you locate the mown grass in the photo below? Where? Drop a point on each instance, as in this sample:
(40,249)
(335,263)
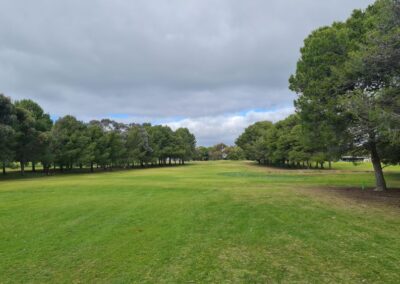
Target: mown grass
(205,222)
(362,167)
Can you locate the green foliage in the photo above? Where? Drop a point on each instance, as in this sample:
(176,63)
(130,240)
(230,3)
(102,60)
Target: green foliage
(219,152)
(284,143)
(69,141)
(202,154)
(348,84)
(235,153)
(138,145)
(7,131)
(33,139)
(27,135)
(249,140)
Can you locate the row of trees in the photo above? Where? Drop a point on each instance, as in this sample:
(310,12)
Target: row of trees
(284,144)
(348,86)
(28,135)
(219,152)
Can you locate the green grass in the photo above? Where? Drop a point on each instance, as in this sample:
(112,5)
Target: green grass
(205,222)
(362,167)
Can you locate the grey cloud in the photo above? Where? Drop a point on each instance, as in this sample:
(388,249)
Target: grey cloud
(157,59)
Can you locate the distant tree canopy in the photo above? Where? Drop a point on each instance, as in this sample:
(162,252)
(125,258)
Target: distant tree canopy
(28,135)
(281,144)
(219,152)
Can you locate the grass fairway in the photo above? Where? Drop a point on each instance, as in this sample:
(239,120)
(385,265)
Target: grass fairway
(205,222)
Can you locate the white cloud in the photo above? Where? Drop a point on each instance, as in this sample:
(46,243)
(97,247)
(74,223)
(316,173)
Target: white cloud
(226,128)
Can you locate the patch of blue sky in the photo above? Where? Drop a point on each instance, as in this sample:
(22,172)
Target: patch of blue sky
(54,117)
(260,110)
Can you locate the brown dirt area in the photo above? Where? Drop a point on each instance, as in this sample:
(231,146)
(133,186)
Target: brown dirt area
(390,197)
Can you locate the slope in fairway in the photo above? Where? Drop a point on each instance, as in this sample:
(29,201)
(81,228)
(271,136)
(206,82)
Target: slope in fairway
(205,222)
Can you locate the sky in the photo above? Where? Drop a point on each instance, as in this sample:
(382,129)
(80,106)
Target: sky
(214,66)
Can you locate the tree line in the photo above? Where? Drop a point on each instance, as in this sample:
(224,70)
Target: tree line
(28,135)
(348,85)
(284,144)
(219,152)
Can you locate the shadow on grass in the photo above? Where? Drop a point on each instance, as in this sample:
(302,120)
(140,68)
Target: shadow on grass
(288,167)
(389,197)
(16,175)
(296,168)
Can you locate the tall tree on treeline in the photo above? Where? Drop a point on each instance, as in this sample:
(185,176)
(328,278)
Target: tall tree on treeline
(250,140)
(69,141)
(186,142)
(371,78)
(116,136)
(97,145)
(7,133)
(348,81)
(116,149)
(39,134)
(46,156)
(138,145)
(161,140)
(168,148)
(25,138)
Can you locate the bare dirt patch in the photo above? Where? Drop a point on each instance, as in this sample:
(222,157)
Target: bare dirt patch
(390,197)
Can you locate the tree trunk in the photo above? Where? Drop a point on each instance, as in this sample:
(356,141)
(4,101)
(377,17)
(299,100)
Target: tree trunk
(4,168)
(46,169)
(33,167)
(22,164)
(91,167)
(376,162)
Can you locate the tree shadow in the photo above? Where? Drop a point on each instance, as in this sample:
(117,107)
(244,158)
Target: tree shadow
(29,174)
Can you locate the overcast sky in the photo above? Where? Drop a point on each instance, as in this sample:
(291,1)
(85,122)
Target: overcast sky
(214,66)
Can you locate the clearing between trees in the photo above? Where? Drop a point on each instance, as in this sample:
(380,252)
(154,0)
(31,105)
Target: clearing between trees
(203,222)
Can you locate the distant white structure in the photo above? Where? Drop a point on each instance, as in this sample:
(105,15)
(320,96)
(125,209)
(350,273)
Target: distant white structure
(355,159)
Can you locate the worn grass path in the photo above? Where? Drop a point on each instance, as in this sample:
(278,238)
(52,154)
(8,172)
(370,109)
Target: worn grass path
(206,222)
